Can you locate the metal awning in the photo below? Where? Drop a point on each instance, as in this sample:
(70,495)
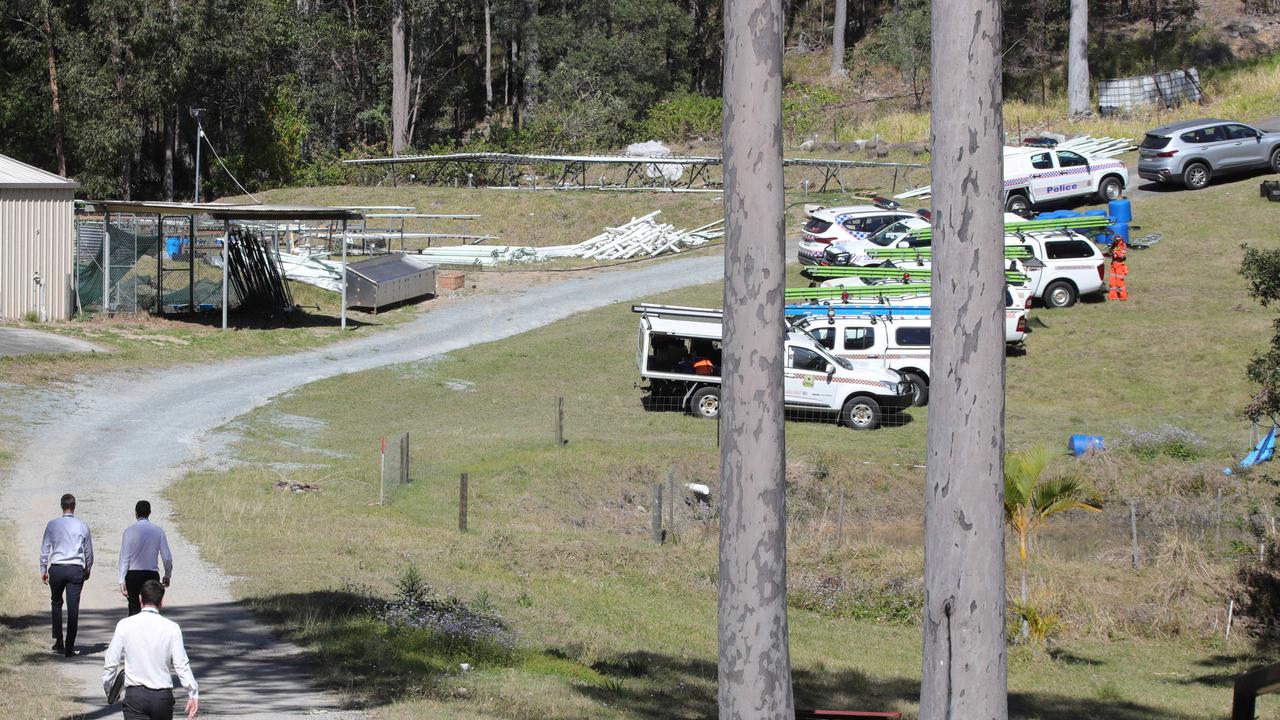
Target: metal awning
(223,211)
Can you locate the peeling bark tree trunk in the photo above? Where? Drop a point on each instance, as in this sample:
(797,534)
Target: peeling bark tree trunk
(837,38)
(170,142)
(1078,60)
(531,80)
(754,658)
(399,81)
(488,62)
(56,103)
(965,669)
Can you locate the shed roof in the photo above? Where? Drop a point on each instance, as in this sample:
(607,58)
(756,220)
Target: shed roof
(15,174)
(224,211)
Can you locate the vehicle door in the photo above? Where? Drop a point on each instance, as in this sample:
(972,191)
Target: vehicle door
(1210,143)
(1074,175)
(805,378)
(1242,147)
(1076,259)
(1044,175)
(1033,266)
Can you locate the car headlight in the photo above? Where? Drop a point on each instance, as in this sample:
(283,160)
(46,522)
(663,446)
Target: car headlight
(892,387)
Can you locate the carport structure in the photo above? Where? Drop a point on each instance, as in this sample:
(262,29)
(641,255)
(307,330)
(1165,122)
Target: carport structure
(224,213)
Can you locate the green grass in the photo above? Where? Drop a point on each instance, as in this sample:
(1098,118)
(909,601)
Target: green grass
(611,626)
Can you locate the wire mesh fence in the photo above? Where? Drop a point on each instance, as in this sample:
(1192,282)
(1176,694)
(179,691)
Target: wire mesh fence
(1164,90)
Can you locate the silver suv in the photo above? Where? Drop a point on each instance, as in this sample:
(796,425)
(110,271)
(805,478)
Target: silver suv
(1194,151)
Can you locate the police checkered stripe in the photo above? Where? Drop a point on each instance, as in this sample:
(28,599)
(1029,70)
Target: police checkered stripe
(799,375)
(888,356)
(1061,173)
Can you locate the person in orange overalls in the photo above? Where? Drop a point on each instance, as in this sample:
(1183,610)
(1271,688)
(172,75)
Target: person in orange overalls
(1119,269)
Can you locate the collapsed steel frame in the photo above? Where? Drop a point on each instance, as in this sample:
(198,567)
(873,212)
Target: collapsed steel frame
(642,172)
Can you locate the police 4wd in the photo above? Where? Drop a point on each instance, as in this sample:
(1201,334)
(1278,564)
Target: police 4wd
(672,339)
(1034,176)
(826,226)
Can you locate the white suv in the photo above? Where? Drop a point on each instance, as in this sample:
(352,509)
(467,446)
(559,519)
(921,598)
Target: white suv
(825,226)
(1033,176)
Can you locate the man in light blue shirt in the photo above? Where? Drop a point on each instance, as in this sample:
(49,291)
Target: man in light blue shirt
(66,559)
(142,543)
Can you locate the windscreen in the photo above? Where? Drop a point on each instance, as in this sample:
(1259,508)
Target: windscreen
(892,234)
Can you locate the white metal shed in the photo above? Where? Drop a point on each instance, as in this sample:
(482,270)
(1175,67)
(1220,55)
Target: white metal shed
(37,242)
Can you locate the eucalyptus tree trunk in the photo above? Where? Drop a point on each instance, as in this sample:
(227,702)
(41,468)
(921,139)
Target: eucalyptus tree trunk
(754,660)
(399,80)
(1078,60)
(488,61)
(55,106)
(965,668)
(837,38)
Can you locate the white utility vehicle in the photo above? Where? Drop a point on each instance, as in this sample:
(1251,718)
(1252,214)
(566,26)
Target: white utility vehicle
(824,226)
(1063,266)
(856,251)
(673,341)
(1033,176)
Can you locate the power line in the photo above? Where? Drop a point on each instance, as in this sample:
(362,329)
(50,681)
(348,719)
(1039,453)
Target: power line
(224,166)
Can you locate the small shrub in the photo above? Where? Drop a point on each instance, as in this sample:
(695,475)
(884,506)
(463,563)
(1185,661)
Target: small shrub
(683,116)
(31,316)
(1042,625)
(1168,440)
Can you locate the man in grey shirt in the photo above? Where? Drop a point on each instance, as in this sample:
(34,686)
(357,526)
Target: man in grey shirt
(66,559)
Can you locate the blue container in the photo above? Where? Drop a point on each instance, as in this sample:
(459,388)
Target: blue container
(1120,230)
(1121,212)
(1081,444)
(1096,213)
(173,247)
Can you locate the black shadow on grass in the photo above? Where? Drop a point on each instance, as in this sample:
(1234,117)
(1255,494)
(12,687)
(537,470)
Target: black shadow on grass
(642,684)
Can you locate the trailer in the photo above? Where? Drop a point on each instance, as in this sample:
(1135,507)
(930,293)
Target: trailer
(388,280)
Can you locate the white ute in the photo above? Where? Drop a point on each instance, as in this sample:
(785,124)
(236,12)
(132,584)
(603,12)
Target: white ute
(855,394)
(1033,176)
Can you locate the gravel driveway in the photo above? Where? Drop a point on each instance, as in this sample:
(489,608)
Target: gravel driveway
(114,439)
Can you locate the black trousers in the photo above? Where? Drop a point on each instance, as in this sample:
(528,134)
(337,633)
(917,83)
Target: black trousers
(142,703)
(133,581)
(68,579)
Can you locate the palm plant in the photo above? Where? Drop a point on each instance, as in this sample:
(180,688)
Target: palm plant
(1029,501)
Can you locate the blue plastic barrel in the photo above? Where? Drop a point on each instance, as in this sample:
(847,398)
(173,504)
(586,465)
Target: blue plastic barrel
(1121,212)
(173,247)
(1081,444)
(1120,230)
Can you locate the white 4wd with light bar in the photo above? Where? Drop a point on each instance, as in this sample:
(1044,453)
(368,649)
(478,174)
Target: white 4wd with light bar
(678,354)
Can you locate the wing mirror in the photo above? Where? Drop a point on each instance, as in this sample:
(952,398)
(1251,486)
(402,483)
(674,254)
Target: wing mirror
(904,244)
(831,369)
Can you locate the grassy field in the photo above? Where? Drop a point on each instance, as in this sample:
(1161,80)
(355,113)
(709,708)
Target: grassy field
(611,626)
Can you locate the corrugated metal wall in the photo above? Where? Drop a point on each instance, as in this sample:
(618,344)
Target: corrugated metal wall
(37,233)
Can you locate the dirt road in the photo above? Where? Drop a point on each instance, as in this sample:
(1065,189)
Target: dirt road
(115,439)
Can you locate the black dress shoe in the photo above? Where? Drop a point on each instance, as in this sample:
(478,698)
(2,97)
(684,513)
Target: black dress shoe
(57,647)
(72,653)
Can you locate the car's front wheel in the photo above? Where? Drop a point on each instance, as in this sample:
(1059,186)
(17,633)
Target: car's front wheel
(1110,189)
(705,403)
(1017,203)
(1275,159)
(861,413)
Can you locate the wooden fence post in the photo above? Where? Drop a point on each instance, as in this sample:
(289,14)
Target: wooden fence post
(655,531)
(462,503)
(840,520)
(404,458)
(1133,530)
(559,421)
(1217,523)
(671,500)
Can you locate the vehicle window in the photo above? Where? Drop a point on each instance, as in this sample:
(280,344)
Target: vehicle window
(917,336)
(1203,135)
(859,338)
(1066,158)
(817,226)
(805,359)
(826,337)
(1042,161)
(1240,132)
(870,225)
(1155,142)
(890,235)
(1068,249)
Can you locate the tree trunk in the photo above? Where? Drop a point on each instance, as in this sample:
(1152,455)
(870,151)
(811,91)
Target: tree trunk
(170,143)
(399,81)
(837,38)
(531,75)
(1026,631)
(488,62)
(754,657)
(56,102)
(1078,61)
(965,665)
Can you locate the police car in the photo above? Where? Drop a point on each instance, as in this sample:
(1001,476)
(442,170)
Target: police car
(1033,176)
(824,226)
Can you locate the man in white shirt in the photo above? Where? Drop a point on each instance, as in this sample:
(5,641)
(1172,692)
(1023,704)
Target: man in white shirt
(150,647)
(66,559)
(141,544)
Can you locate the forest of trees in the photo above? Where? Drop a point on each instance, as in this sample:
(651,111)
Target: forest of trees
(102,90)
